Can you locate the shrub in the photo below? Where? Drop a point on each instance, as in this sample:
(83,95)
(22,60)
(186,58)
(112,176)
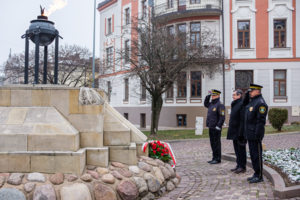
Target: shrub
(295,123)
(277,117)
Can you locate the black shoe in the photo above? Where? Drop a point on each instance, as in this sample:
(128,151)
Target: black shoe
(215,162)
(234,168)
(250,178)
(256,180)
(240,170)
(210,161)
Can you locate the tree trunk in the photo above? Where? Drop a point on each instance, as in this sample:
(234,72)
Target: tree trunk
(157,103)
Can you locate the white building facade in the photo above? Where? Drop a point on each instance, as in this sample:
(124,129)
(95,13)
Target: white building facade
(261,39)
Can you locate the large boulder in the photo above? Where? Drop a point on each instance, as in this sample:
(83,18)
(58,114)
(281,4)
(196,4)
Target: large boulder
(159,175)
(36,177)
(28,187)
(152,182)
(11,194)
(159,162)
(170,186)
(117,175)
(44,192)
(76,191)
(103,192)
(86,177)
(71,177)
(117,164)
(125,172)
(95,175)
(134,169)
(144,166)
(127,190)
(57,179)
(149,196)
(175,181)
(142,185)
(102,171)
(15,178)
(166,172)
(108,178)
(168,166)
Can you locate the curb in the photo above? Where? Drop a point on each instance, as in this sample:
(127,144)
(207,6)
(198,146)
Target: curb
(280,190)
(267,135)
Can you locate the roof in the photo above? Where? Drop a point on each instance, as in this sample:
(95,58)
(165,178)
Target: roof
(104,3)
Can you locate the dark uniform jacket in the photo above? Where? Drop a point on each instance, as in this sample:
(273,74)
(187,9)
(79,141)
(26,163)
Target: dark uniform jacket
(215,113)
(255,118)
(236,123)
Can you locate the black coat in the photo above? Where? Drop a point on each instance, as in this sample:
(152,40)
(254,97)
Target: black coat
(215,113)
(236,122)
(255,118)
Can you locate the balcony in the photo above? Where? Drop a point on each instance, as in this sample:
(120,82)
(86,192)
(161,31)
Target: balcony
(174,9)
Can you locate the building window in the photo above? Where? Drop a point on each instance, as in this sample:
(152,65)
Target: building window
(182,35)
(127,51)
(126,89)
(170,92)
(171,30)
(143,120)
(196,84)
(109,25)
(144,8)
(109,56)
(243,34)
(170,3)
(195,34)
(126,116)
(243,78)
(181,120)
(195,1)
(181,91)
(108,90)
(143,92)
(127,16)
(279,83)
(279,33)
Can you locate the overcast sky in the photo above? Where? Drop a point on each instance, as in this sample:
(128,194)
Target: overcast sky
(74,23)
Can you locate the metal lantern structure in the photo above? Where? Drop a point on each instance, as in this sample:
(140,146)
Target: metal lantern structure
(42,33)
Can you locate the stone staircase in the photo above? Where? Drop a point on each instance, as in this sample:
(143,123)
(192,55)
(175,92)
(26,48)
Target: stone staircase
(44,128)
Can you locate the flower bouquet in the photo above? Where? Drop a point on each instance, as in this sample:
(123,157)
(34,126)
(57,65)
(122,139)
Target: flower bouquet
(159,150)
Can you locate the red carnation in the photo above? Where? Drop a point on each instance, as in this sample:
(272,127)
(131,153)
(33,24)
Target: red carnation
(162,154)
(158,142)
(154,146)
(154,151)
(158,149)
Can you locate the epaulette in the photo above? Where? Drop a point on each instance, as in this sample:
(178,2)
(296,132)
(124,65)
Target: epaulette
(262,101)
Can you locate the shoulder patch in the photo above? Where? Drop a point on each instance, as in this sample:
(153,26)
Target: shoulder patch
(262,101)
(262,109)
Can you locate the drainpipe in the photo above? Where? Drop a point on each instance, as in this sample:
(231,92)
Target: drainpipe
(223,65)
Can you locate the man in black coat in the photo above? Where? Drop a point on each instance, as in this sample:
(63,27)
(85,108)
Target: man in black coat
(214,121)
(255,121)
(236,130)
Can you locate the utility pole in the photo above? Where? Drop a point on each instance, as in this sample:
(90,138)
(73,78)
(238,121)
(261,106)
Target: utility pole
(93,78)
(223,67)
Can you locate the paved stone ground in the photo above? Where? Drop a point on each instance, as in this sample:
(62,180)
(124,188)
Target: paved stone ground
(204,181)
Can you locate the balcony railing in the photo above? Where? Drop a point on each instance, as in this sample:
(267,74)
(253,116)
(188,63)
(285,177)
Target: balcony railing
(170,7)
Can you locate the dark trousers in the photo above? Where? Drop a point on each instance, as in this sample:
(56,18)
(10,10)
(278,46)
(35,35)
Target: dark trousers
(255,149)
(215,143)
(240,152)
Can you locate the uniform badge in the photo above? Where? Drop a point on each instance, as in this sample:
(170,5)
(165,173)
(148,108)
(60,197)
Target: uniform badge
(262,109)
(251,108)
(214,109)
(223,112)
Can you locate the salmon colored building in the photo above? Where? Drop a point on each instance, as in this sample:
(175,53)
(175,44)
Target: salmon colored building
(261,38)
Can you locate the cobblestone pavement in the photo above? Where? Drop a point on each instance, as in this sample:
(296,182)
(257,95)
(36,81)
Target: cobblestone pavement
(204,181)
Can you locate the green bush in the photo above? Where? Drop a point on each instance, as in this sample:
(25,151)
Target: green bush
(295,123)
(277,117)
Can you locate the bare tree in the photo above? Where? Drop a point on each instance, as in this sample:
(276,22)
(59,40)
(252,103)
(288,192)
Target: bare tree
(160,53)
(74,67)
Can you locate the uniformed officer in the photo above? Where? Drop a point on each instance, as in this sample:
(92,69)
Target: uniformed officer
(255,120)
(214,121)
